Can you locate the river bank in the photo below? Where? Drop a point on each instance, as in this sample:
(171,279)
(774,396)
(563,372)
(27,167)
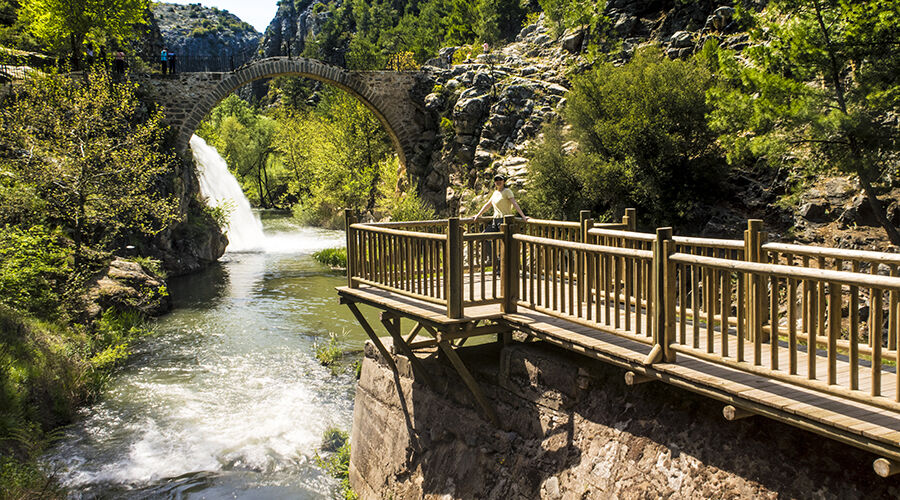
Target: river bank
(226,394)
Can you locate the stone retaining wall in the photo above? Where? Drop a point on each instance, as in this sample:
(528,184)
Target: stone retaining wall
(572,430)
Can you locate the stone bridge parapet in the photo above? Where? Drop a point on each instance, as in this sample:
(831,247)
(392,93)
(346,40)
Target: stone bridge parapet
(395,97)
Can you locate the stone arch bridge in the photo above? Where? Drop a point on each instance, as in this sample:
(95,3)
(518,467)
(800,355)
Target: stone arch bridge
(395,97)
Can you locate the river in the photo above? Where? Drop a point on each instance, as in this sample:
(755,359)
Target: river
(225,399)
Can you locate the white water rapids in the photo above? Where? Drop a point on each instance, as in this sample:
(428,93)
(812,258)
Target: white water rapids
(225,399)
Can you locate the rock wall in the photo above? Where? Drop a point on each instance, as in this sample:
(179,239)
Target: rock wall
(571,430)
(201,35)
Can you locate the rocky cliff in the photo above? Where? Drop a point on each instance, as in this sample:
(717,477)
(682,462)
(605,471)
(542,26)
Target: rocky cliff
(292,25)
(572,429)
(204,35)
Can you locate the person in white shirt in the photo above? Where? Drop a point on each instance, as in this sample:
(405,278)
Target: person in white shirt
(504,202)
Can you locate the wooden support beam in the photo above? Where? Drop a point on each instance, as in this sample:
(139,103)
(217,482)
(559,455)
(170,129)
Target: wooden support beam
(469,381)
(371,333)
(392,325)
(732,413)
(655,356)
(414,332)
(423,344)
(632,378)
(886,468)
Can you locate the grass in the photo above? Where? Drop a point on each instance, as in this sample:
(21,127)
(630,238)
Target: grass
(329,353)
(336,446)
(47,370)
(151,265)
(333,257)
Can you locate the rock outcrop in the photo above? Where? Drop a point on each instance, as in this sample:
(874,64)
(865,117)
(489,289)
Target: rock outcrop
(293,24)
(127,286)
(572,429)
(199,34)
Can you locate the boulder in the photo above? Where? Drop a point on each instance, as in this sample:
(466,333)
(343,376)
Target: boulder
(682,39)
(468,114)
(542,40)
(720,19)
(859,213)
(625,25)
(127,286)
(815,211)
(572,42)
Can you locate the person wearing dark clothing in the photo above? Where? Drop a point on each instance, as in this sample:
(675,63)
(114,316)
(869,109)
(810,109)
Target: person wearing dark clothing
(119,64)
(89,56)
(173,61)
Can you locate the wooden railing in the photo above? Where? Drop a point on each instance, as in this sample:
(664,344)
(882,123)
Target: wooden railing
(822,318)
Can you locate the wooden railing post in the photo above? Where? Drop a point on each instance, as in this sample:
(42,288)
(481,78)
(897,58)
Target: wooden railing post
(454,270)
(509,286)
(349,220)
(663,297)
(753,253)
(630,219)
(584,216)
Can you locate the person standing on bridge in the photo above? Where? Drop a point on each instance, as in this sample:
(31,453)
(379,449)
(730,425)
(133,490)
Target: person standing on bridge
(164,61)
(504,201)
(173,61)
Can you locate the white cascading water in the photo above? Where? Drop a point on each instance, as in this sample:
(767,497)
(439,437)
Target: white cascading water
(221,189)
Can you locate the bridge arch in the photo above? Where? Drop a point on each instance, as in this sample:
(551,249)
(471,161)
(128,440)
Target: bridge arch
(396,98)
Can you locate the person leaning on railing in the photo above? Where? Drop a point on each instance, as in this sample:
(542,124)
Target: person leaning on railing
(504,201)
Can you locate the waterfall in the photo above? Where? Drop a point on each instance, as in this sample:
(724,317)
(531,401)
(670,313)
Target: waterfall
(221,189)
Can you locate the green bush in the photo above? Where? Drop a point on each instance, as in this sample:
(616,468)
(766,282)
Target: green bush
(329,353)
(643,132)
(33,263)
(333,257)
(336,443)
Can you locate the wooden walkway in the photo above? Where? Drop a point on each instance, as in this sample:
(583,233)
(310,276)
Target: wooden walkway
(697,314)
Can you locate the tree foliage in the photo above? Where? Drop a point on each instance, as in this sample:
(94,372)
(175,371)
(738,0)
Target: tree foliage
(318,158)
(820,82)
(643,138)
(370,34)
(70,23)
(88,151)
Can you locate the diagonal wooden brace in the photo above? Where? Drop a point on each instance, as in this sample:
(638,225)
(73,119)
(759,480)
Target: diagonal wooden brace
(392,325)
(371,333)
(469,381)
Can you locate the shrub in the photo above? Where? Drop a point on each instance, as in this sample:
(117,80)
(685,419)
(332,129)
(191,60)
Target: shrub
(333,257)
(32,265)
(337,443)
(643,127)
(330,352)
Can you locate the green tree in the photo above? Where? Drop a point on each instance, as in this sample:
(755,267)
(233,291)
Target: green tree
(556,188)
(643,132)
(498,19)
(459,22)
(821,82)
(70,23)
(89,153)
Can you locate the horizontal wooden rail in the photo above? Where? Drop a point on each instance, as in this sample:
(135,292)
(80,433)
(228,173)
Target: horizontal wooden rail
(616,233)
(585,247)
(709,242)
(800,273)
(397,232)
(834,253)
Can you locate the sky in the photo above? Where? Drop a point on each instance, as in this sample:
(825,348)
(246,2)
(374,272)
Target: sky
(256,12)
